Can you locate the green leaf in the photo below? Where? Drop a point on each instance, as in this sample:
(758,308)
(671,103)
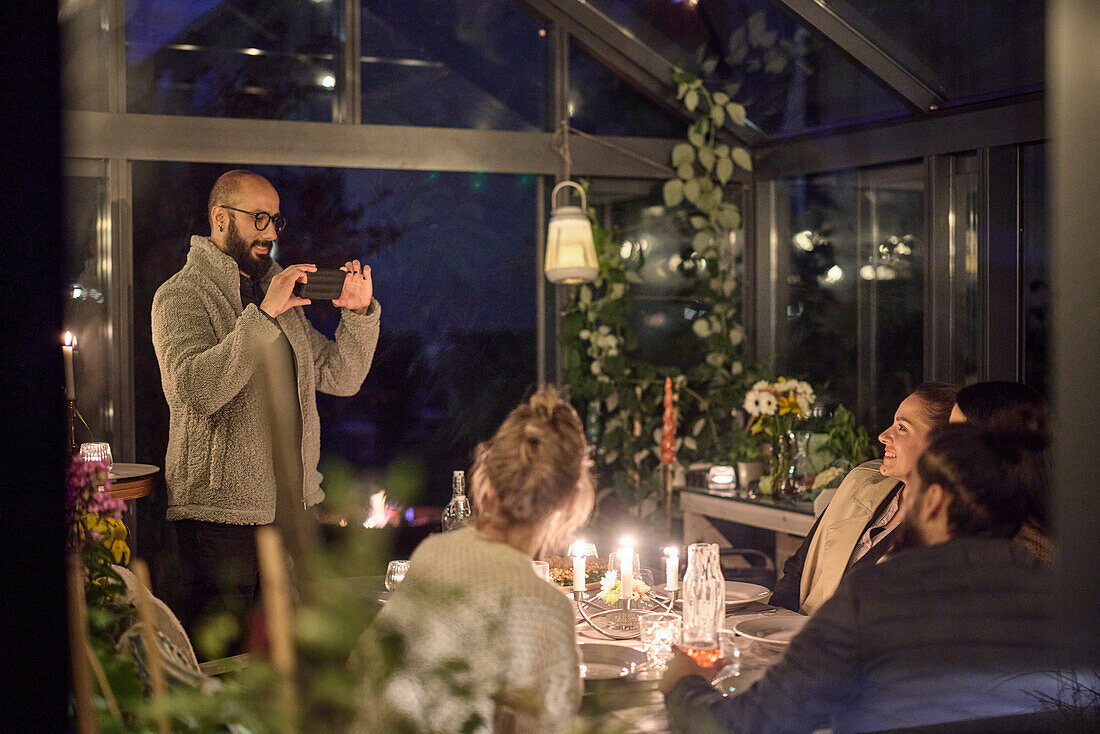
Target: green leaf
(686,171)
(718,115)
(706,157)
(695,429)
(696,136)
(724,170)
(698,222)
(729,217)
(632,277)
(720,98)
(692,189)
(673,192)
(736,112)
(682,153)
(722,151)
(742,158)
(701,241)
(691,100)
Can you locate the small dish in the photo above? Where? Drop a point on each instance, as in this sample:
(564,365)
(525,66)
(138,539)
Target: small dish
(773,630)
(603,661)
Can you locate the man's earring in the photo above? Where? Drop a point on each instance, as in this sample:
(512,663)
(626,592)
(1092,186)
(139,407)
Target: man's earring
(221,229)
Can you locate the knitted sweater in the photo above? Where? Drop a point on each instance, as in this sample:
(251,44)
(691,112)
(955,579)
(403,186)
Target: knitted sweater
(471,638)
(219,466)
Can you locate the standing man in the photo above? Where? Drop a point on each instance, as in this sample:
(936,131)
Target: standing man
(240,365)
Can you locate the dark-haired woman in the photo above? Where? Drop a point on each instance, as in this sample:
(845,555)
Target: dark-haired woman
(473,640)
(1015,408)
(856,525)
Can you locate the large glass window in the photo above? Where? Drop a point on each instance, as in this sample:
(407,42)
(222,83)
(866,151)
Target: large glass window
(790,79)
(462,63)
(88,306)
(248,58)
(855,306)
(602,103)
(1035,257)
(453,258)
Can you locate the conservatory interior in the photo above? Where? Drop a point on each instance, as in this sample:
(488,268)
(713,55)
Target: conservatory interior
(820,202)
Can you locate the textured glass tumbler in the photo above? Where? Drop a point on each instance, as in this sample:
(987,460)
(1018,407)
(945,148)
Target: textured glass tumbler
(660,632)
(395,574)
(97,451)
(542,569)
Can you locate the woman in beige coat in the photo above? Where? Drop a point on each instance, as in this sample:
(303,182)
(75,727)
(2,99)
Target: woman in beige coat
(856,525)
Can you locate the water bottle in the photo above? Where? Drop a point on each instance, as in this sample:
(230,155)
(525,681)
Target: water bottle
(704,594)
(457,513)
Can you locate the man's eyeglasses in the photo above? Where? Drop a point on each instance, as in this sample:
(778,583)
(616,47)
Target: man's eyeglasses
(261,219)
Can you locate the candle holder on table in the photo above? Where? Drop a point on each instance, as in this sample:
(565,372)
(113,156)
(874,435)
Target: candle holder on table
(623,621)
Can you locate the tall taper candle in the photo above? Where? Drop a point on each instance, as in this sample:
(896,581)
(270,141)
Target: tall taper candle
(578,566)
(672,569)
(626,555)
(70,383)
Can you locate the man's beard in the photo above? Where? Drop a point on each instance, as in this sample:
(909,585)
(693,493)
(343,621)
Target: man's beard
(254,266)
(906,535)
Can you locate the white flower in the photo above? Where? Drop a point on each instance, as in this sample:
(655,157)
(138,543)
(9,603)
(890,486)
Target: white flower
(804,404)
(596,368)
(737,335)
(608,581)
(585,334)
(736,368)
(760,402)
(701,327)
(762,385)
(714,359)
(785,386)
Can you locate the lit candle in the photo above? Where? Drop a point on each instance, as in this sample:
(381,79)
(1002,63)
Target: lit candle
(626,556)
(578,566)
(672,569)
(67,350)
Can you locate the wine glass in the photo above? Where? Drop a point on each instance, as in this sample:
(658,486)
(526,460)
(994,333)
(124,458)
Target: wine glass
(395,573)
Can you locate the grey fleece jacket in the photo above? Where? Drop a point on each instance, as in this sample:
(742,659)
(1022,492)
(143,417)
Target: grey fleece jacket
(219,466)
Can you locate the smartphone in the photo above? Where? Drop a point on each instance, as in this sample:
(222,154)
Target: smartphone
(325,284)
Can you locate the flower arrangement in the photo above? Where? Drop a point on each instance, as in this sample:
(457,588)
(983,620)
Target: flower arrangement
(611,588)
(775,407)
(95,525)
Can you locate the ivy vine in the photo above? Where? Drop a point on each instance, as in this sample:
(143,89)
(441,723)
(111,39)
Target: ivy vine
(622,395)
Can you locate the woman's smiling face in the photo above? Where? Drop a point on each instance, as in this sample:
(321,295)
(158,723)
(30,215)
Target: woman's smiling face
(905,439)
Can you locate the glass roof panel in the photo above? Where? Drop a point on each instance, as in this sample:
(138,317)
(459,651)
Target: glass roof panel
(966,51)
(790,80)
(602,103)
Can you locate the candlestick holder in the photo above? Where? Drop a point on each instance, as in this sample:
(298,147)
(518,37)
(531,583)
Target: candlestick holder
(622,622)
(71,407)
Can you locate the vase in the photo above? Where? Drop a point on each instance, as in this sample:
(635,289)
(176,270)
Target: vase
(783,484)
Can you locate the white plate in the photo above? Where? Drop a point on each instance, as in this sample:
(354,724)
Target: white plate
(602,661)
(774,630)
(740,592)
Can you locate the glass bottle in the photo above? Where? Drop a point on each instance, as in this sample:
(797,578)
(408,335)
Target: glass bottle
(802,466)
(457,513)
(704,593)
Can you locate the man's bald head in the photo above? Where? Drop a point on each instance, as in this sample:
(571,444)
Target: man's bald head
(227,188)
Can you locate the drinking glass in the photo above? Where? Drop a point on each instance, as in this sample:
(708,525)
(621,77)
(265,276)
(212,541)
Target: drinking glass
(97,451)
(542,569)
(660,631)
(395,574)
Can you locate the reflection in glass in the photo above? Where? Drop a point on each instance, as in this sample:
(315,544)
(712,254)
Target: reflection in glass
(790,79)
(84,42)
(478,64)
(1035,258)
(87,308)
(966,316)
(458,342)
(254,59)
(959,49)
(855,309)
(603,103)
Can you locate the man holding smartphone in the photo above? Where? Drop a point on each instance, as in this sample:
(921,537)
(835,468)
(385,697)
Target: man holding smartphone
(240,366)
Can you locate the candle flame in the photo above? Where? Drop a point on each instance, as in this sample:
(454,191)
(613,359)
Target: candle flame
(68,338)
(671,552)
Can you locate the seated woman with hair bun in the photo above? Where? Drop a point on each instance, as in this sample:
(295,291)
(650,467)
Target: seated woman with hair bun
(1015,409)
(473,640)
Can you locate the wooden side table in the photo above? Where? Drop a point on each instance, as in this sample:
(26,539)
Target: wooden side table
(130,482)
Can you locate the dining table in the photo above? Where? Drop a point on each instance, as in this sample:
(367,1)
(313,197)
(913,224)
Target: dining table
(634,703)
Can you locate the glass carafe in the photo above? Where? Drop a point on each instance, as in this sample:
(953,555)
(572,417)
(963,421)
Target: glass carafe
(457,513)
(802,466)
(704,594)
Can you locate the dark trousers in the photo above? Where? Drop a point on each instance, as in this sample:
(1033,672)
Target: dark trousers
(220,577)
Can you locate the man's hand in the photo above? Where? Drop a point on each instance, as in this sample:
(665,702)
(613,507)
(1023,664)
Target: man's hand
(681,666)
(280,296)
(358,288)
